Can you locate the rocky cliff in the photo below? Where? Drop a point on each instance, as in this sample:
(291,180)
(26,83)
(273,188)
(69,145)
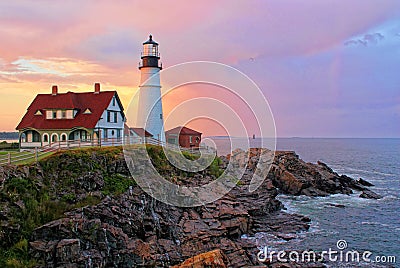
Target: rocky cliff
(82,209)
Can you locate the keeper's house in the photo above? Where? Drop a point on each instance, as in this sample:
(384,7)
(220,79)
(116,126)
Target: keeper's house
(184,137)
(72,117)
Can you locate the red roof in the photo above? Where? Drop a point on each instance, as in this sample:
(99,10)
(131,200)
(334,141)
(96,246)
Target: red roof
(183,131)
(141,132)
(97,103)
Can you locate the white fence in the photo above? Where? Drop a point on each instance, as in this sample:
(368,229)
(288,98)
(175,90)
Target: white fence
(34,154)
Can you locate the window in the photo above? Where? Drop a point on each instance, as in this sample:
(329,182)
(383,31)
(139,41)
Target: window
(38,112)
(70,114)
(46,138)
(35,136)
(60,114)
(87,111)
(190,139)
(173,141)
(113,102)
(112,117)
(118,133)
(54,137)
(112,133)
(83,135)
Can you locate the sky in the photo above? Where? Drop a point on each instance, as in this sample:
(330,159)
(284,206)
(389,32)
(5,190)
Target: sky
(327,68)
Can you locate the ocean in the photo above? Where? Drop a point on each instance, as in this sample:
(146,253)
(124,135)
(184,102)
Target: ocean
(372,225)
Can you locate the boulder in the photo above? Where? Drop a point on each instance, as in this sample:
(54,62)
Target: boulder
(370,195)
(335,205)
(212,259)
(294,176)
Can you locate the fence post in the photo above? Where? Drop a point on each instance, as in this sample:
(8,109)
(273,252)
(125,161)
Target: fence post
(36,154)
(9,158)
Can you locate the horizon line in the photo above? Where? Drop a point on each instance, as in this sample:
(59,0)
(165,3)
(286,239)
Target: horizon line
(299,137)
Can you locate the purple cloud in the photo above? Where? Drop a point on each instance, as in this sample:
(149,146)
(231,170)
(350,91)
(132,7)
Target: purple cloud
(366,40)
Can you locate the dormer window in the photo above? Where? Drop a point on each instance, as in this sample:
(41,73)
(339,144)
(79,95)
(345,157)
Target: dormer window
(87,111)
(59,114)
(38,112)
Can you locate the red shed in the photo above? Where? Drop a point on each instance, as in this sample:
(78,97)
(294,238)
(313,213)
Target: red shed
(188,138)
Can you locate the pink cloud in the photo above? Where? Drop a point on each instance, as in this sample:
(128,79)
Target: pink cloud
(259,37)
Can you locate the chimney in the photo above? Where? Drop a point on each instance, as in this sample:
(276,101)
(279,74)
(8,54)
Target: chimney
(96,88)
(54,90)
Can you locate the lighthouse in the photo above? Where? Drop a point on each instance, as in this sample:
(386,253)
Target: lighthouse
(150,114)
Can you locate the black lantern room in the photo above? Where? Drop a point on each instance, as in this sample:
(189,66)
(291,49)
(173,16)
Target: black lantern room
(150,55)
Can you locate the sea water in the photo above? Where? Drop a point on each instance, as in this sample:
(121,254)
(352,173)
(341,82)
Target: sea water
(365,224)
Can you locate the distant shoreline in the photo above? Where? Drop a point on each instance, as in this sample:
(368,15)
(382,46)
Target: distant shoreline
(9,136)
(233,137)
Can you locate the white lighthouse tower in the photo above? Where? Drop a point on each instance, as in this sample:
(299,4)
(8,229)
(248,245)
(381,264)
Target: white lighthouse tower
(150,114)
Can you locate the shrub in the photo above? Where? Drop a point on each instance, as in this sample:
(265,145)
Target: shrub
(117,184)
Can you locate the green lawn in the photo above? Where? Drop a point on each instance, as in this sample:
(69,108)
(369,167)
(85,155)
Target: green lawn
(13,152)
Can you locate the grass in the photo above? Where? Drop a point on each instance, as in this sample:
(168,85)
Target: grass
(17,256)
(13,152)
(162,165)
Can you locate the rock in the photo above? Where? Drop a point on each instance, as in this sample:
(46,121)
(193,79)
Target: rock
(286,237)
(290,184)
(293,176)
(364,182)
(133,229)
(370,195)
(325,166)
(311,191)
(212,259)
(335,205)
(67,251)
